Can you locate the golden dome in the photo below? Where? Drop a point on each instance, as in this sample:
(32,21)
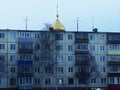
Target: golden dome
(57,25)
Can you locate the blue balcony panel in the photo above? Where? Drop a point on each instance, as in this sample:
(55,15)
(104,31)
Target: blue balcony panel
(25,62)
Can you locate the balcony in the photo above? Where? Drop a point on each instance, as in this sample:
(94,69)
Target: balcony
(82,62)
(113,38)
(25,74)
(81,52)
(113,41)
(113,62)
(23,62)
(111,73)
(82,74)
(25,87)
(25,40)
(29,51)
(81,40)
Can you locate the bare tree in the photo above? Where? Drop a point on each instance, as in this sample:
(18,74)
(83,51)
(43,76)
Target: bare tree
(47,26)
(46,60)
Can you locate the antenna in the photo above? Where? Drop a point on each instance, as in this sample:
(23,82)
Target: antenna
(26,23)
(77,24)
(93,24)
(57,11)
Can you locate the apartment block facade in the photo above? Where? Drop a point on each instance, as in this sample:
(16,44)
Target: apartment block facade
(59,60)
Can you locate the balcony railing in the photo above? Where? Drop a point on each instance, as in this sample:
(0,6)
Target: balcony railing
(25,51)
(113,62)
(81,40)
(82,74)
(111,73)
(113,41)
(82,52)
(82,62)
(25,87)
(25,74)
(25,40)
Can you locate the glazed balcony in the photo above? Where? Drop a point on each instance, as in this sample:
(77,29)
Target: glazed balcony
(113,38)
(82,74)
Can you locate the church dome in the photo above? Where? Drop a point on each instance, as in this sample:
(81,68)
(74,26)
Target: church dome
(58,26)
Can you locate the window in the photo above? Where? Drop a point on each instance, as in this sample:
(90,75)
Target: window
(36,57)
(59,47)
(111,80)
(102,58)
(59,69)
(103,80)
(92,47)
(12,69)
(70,37)
(2,35)
(25,80)
(25,34)
(2,69)
(70,47)
(47,36)
(82,46)
(13,58)
(2,58)
(82,80)
(25,46)
(48,70)
(12,81)
(103,69)
(37,69)
(82,57)
(102,37)
(13,35)
(37,36)
(70,81)
(37,46)
(59,58)
(47,81)
(93,69)
(81,35)
(70,69)
(2,46)
(37,81)
(70,58)
(25,56)
(12,46)
(102,48)
(59,81)
(92,37)
(59,37)
(93,80)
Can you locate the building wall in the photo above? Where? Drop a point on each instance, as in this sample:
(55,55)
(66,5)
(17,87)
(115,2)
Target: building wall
(63,55)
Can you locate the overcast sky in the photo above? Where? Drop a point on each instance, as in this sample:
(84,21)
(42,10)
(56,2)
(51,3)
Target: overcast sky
(106,14)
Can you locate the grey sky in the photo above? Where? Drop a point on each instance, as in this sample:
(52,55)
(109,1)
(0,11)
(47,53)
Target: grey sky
(106,14)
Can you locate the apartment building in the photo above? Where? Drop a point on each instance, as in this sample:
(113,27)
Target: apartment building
(59,59)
